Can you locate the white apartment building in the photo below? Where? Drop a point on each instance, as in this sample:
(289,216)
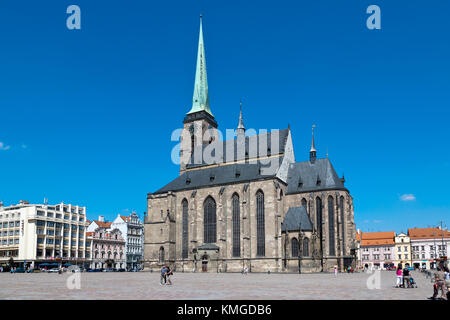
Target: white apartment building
(427,245)
(33,234)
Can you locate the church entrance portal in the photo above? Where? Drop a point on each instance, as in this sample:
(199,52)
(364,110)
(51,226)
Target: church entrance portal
(205,263)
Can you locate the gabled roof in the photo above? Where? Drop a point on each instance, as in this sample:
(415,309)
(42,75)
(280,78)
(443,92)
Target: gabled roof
(253,148)
(293,217)
(377,238)
(124,218)
(427,233)
(103,224)
(214,176)
(304,177)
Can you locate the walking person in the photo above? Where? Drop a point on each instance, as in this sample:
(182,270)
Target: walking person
(439,279)
(406,278)
(399,276)
(168,274)
(335,271)
(162,280)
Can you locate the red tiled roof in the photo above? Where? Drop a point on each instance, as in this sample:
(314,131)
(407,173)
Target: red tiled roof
(377,238)
(427,233)
(126,219)
(103,224)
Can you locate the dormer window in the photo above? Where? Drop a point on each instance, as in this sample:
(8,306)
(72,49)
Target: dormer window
(188,180)
(318,181)
(238,174)
(211,178)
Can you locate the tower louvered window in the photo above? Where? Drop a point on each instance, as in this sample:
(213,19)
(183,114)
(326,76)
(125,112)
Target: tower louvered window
(332,250)
(236,226)
(185,232)
(209,221)
(260,225)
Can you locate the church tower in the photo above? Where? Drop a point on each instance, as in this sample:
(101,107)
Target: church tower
(199,125)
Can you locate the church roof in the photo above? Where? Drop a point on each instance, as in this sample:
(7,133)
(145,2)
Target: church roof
(214,176)
(230,147)
(293,217)
(310,176)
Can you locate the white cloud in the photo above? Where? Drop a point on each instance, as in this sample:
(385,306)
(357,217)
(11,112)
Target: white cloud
(408,197)
(3,146)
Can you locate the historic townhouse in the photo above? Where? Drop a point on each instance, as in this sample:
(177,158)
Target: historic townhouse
(246,202)
(377,250)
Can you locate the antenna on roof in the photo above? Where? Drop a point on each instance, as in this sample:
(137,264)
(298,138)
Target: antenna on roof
(45,201)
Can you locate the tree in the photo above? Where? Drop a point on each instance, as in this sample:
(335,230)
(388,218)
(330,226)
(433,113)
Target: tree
(11,262)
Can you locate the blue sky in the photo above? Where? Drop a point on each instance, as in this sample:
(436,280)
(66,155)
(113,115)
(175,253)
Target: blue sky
(86,115)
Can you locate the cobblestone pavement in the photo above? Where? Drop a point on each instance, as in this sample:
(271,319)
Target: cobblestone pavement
(145,285)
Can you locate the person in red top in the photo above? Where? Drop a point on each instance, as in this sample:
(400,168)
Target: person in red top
(399,276)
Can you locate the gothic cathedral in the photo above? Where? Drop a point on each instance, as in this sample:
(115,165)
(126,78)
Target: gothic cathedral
(246,203)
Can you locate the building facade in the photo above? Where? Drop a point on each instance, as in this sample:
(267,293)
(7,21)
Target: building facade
(132,230)
(428,244)
(246,202)
(33,234)
(402,255)
(377,250)
(107,247)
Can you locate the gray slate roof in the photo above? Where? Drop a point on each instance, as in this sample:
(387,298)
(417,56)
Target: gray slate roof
(304,176)
(293,217)
(227,174)
(230,147)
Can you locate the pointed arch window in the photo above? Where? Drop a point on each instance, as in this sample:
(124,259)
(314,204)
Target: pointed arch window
(236,226)
(304,204)
(294,247)
(260,225)
(319,220)
(209,221)
(161,255)
(306,247)
(331,232)
(185,231)
(342,212)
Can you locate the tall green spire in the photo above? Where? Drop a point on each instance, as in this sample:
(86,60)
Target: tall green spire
(200,101)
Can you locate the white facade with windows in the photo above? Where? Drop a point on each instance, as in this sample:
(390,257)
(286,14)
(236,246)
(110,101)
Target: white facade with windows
(132,230)
(32,234)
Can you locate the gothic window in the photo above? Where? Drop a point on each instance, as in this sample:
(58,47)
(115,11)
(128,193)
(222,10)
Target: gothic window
(236,226)
(260,225)
(319,216)
(294,247)
(306,247)
(185,235)
(304,204)
(161,255)
(341,209)
(331,225)
(209,221)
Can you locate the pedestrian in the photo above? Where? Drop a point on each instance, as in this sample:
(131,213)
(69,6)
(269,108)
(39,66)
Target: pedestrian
(245,271)
(439,283)
(335,271)
(162,280)
(168,274)
(406,278)
(399,277)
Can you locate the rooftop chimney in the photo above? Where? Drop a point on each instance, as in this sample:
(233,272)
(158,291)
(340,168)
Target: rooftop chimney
(24,202)
(101,218)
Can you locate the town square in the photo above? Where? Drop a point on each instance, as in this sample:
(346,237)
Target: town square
(224,151)
(207,286)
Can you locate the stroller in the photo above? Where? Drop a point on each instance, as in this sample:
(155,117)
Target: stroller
(412,283)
